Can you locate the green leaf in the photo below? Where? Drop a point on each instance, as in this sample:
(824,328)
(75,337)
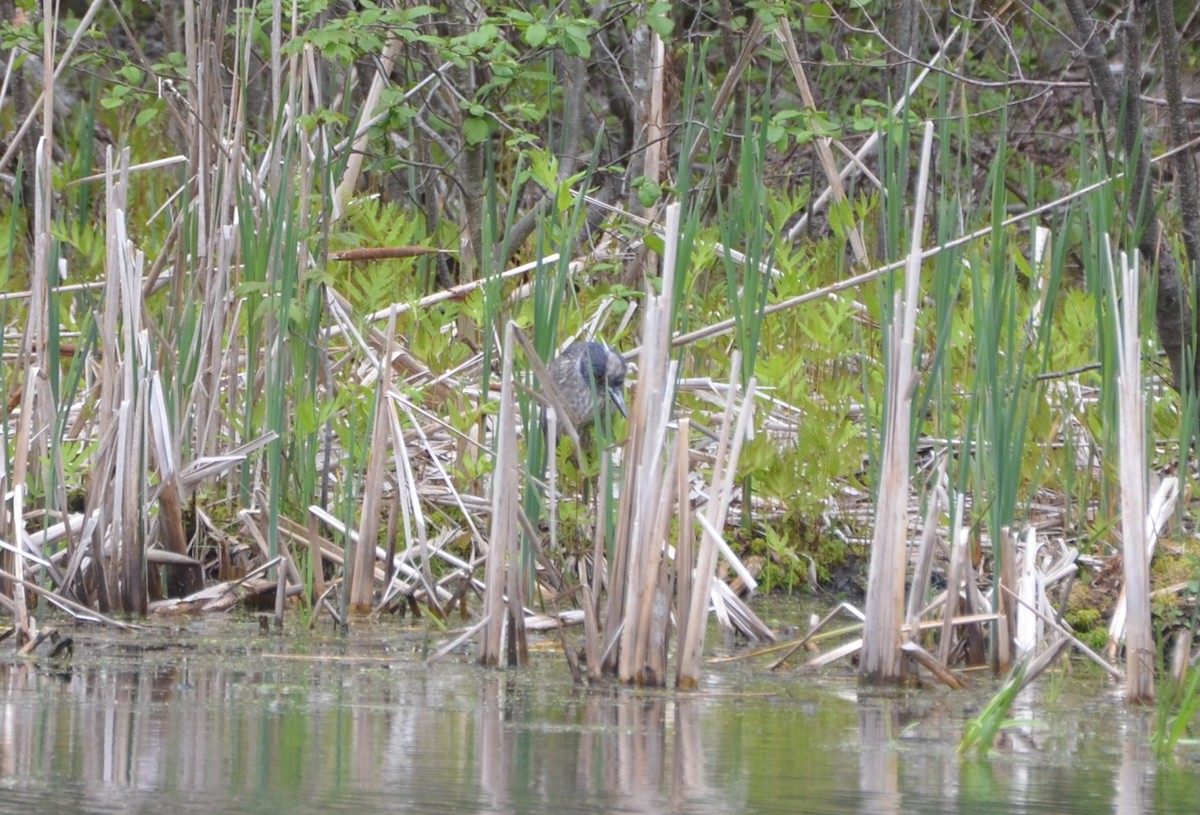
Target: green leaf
(486,34)
(145,116)
(130,74)
(649,192)
(575,41)
(536,34)
(477,130)
(658,20)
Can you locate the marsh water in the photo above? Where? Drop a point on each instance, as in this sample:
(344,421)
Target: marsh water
(215,716)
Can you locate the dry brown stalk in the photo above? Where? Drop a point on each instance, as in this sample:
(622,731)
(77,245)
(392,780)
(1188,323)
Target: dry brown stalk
(362,587)
(729,444)
(503,572)
(822,143)
(881,658)
(935,667)
(1078,643)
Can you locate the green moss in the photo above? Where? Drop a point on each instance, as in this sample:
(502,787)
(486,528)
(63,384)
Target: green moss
(1170,570)
(1096,639)
(1086,598)
(1084,619)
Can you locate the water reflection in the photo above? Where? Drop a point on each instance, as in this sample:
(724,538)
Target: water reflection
(262,724)
(878,762)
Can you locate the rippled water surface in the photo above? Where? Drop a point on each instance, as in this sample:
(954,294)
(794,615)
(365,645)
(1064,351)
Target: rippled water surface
(214,716)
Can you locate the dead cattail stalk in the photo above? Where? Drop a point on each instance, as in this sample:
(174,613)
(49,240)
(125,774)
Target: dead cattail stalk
(412,515)
(684,575)
(1162,505)
(822,143)
(503,556)
(1139,637)
(924,567)
(729,445)
(1006,543)
(362,586)
(345,189)
(881,660)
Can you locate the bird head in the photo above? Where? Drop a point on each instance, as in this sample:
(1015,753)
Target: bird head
(604,368)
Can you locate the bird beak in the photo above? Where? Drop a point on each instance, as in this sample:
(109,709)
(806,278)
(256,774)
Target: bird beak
(618,400)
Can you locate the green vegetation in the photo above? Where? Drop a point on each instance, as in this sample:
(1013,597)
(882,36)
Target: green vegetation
(979,734)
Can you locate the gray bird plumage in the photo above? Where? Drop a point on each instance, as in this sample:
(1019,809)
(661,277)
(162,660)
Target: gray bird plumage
(589,375)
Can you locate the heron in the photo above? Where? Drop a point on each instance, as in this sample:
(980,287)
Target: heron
(589,376)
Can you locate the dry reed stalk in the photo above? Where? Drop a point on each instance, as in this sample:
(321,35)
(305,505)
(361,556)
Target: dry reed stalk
(170,511)
(345,188)
(976,604)
(646,494)
(858,160)
(967,621)
(1027,629)
(457,292)
(434,458)
(830,657)
(1002,651)
(646,658)
(215,131)
(881,660)
(503,556)
(46,95)
(1044,660)
(750,47)
(255,522)
(958,554)
(294,532)
(1078,643)
(16,579)
(409,502)
(813,630)
(117,539)
(591,633)
(599,548)
(1162,505)
(635,621)
(1131,400)
(339,310)
(625,563)
(362,587)
(316,560)
(621,565)
(130,502)
(76,610)
(333,554)
(729,446)
(13,559)
(36,414)
(938,669)
(925,550)
(783,33)
(653,121)
(706,528)
(684,545)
